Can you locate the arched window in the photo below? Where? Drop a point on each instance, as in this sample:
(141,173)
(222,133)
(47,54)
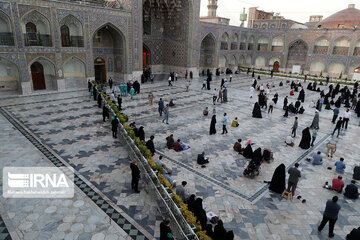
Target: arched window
(6,35)
(31,34)
(65,36)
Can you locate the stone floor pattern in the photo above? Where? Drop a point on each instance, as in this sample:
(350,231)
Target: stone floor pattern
(71,125)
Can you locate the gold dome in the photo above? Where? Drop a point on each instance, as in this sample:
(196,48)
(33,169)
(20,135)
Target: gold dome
(347,18)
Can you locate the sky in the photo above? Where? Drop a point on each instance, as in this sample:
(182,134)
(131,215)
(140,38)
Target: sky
(290,9)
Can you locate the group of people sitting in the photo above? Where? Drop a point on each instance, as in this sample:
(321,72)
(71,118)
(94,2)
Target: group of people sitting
(178,146)
(351,190)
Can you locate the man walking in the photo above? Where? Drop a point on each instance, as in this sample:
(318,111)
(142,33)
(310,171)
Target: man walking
(336,114)
(166,112)
(214,95)
(224,122)
(347,116)
(151,98)
(285,102)
(337,127)
(114,126)
(161,106)
(169,80)
(294,175)
(294,127)
(330,215)
(135,176)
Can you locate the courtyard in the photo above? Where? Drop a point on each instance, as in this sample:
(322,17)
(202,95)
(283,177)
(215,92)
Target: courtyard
(70,126)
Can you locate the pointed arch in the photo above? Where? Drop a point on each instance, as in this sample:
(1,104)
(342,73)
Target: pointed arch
(6,35)
(36,29)
(224,41)
(207,51)
(234,41)
(9,75)
(74,73)
(341,46)
(71,30)
(321,45)
(297,53)
(43,74)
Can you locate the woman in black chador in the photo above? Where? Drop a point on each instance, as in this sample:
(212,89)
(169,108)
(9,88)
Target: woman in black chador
(301,95)
(256,113)
(277,183)
(212,125)
(305,139)
(248,152)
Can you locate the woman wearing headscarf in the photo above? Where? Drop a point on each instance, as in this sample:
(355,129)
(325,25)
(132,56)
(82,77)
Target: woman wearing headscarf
(191,203)
(257,156)
(256,113)
(248,152)
(277,183)
(301,95)
(315,122)
(219,231)
(305,139)
(141,133)
(212,125)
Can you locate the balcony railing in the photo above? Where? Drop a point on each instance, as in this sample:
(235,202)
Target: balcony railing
(34,39)
(262,47)
(75,41)
(6,39)
(276,48)
(242,46)
(340,50)
(234,46)
(224,46)
(320,50)
(250,46)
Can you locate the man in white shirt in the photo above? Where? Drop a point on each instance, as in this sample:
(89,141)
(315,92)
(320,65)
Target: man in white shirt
(262,88)
(169,79)
(214,95)
(112,97)
(346,119)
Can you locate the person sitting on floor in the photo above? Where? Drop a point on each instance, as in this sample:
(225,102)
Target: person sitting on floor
(170,141)
(289,141)
(206,111)
(171,103)
(356,174)
(351,191)
(317,159)
(177,146)
(291,93)
(235,122)
(201,159)
(337,184)
(237,147)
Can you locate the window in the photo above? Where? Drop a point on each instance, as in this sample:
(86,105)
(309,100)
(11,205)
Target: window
(65,36)
(31,34)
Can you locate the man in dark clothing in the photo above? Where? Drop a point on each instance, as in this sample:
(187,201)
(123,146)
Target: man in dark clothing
(338,126)
(119,99)
(105,112)
(161,106)
(336,114)
(330,215)
(135,176)
(294,175)
(356,174)
(89,85)
(99,100)
(114,126)
(202,159)
(351,191)
(110,83)
(165,231)
(150,145)
(354,234)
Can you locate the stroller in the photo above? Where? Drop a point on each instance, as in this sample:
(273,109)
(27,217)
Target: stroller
(253,169)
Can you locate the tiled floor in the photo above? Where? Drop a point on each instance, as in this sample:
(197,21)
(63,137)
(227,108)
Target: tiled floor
(71,125)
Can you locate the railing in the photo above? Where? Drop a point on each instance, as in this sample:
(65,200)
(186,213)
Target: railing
(276,48)
(224,46)
(250,46)
(262,47)
(234,46)
(180,228)
(320,50)
(32,39)
(6,39)
(242,46)
(76,41)
(340,50)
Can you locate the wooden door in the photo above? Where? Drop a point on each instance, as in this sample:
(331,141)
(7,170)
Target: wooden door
(100,70)
(37,74)
(276,66)
(31,34)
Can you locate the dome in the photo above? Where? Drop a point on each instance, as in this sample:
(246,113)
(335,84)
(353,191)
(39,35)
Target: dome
(347,18)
